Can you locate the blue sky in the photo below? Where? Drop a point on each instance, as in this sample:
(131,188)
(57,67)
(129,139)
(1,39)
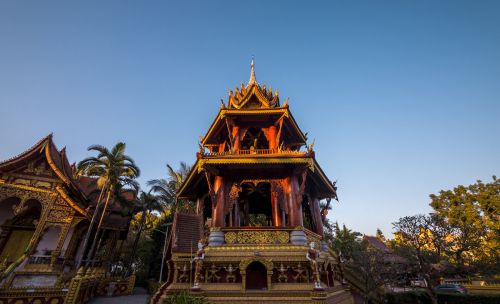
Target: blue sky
(402,97)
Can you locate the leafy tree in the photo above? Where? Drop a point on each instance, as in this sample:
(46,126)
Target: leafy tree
(146,204)
(366,267)
(415,238)
(472,212)
(158,236)
(114,171)
(380,235)
(372,269)
(346,241)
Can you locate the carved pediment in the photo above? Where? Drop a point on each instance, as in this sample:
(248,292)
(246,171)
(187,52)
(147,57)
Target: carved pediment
(40,168)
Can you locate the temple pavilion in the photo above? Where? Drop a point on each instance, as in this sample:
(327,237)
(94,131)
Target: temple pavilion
(257,233)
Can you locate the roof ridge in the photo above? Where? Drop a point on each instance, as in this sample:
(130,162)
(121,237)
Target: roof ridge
(27,151)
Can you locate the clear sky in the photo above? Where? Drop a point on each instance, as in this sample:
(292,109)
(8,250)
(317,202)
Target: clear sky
(402,97)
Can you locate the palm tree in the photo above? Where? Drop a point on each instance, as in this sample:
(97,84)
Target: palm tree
(167,189)
(146,204)
(114,172)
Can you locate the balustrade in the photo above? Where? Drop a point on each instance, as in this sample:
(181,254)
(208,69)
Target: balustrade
(255,152)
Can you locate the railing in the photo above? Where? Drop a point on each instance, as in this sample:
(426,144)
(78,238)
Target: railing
(472,281)
(255,152)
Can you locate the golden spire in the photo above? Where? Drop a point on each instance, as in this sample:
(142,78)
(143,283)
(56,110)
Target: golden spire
(253,79)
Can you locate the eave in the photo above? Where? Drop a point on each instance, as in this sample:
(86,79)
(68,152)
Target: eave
(322,183)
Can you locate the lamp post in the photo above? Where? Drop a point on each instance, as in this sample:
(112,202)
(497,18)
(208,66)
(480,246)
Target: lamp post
(164,250)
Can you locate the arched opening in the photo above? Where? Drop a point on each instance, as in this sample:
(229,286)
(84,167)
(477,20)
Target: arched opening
(257,207)
(256,276)
(18,230)
(254,139)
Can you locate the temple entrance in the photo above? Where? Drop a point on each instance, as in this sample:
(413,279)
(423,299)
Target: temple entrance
(257,209)
(256,274)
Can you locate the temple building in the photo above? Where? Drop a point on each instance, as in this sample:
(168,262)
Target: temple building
(257,234)
(45,213)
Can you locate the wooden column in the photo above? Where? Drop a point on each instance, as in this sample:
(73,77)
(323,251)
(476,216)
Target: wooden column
(199,204)
(289,200)
(219,218)
(276,212)
(316,215)
(272,138)
(294,202)
(236,138)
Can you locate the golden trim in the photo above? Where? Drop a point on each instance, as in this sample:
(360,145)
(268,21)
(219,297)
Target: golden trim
(286,160)
(71,202)
(279,247)
(54,167)
(196,168)
(29,188)
(323,176)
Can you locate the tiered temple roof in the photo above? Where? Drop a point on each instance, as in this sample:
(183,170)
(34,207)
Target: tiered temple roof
(79,192)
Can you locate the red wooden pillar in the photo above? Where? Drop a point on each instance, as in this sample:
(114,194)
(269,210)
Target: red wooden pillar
(276,213)
(272,138)
(236,137)
(294,206)
(316,215)
(219,218)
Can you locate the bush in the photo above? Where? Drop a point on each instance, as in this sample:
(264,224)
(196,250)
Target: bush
(468,299)
(152,286)
(184,298)
(411,297)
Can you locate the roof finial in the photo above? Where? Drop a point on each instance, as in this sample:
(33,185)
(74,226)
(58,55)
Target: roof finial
(252,79)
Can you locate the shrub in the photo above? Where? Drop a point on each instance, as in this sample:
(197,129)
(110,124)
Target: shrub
(152,286)
(184,298)
(468,299)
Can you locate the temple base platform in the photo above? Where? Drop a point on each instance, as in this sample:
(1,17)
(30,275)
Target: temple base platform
(257,266)
(297,294)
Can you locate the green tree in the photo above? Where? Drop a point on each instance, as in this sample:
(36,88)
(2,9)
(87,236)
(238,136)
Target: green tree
(145,204)
(380,235)
(414,241)
(472,212)
(345,241)
(371,269)
(114,172)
